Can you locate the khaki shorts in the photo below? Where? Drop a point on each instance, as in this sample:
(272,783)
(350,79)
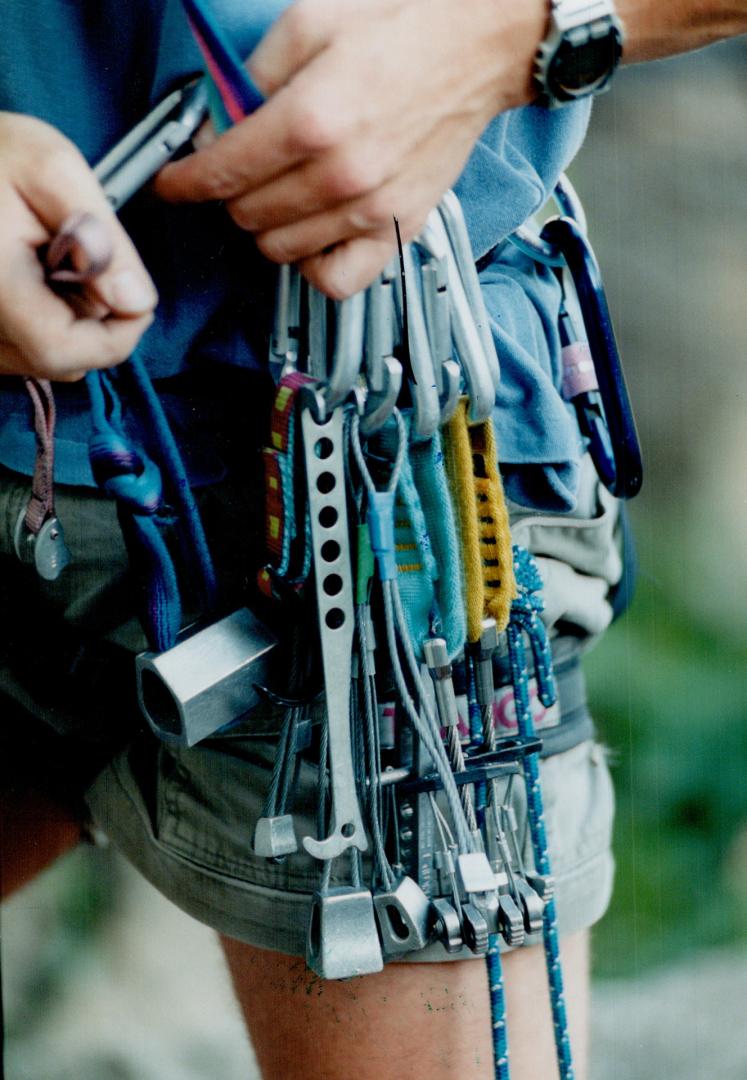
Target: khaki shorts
(185,818)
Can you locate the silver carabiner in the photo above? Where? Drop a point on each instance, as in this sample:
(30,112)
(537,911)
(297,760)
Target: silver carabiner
(347,355)
(286,327)
(426,406)
(318,311)
(143,151)
(436,308)
(383,372)
(475,366)
(452,215)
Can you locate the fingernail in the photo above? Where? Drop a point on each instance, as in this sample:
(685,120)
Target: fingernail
(131,293)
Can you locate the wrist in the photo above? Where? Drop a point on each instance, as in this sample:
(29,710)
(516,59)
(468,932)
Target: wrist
(518,32)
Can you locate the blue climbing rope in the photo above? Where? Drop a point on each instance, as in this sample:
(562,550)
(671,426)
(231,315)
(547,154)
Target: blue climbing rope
(127,475)
(497,1008)
(196,546)
(525,620)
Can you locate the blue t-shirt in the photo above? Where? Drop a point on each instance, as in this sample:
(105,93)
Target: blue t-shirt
(94,67)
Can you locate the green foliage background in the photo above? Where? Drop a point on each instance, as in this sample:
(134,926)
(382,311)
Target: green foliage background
(674,718)
(662,178)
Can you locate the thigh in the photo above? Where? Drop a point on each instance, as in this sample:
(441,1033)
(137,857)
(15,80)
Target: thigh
(420,1021)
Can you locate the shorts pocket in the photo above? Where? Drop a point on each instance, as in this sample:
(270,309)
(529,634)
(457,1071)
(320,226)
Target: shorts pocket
(579,807)
(208,800)
(578,557)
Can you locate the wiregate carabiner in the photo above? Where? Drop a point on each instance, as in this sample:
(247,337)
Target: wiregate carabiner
(566,236)
(152,143)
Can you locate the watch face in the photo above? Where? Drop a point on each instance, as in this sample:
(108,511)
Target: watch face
(584,68)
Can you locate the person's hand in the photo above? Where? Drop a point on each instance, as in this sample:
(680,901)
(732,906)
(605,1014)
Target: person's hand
(373,109)
(43,181)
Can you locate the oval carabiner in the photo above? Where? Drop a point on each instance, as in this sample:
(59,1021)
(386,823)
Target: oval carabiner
(566,236)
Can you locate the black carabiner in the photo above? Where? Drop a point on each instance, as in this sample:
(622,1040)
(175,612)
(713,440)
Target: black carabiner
(565,234)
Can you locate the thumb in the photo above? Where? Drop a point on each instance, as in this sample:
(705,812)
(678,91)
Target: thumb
(60,188)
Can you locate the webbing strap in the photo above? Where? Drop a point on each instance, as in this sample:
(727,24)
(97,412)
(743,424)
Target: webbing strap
(236,96)
(430,480)
(290,561)
(471,455)
(416,566)
(41,503)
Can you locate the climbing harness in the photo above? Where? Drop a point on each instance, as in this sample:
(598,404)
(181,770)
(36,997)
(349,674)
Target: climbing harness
(385,512)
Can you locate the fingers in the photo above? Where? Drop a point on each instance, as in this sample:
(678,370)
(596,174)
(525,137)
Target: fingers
(44,337)
(296,37)
(55,182)
(44,184)
(350,266)
(289,129)
(306,120)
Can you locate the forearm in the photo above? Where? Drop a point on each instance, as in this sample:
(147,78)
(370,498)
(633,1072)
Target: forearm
(659,28)
(654,29)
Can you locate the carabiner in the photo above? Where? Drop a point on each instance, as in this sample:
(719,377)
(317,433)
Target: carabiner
(476,367)
(581,389)
(566,237)
(436,308)
(452,215)
(532,243)
(409,307)
(143,151)
(382,371)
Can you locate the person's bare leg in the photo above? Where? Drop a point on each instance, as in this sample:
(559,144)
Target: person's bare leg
(34,831)
(412,1021)
(530,1032)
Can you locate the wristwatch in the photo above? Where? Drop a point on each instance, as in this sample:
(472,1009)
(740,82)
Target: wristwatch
(580,52)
